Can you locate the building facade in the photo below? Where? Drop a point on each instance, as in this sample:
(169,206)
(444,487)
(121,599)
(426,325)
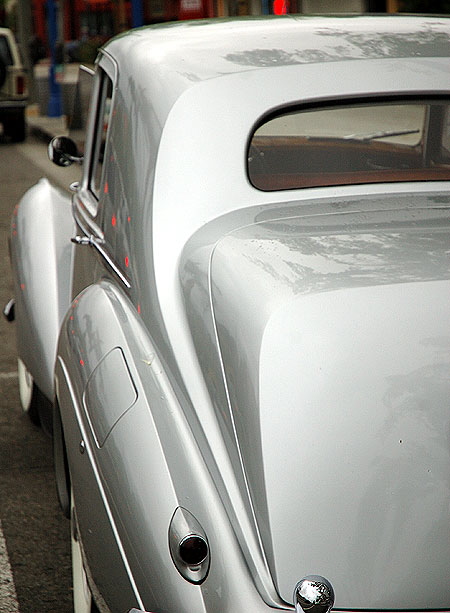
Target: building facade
(81,20)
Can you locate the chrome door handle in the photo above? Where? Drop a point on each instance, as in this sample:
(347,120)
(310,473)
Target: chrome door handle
(87,240)
(81,240)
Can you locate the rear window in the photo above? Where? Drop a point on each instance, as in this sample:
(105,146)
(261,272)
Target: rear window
(352,144)
(5,53)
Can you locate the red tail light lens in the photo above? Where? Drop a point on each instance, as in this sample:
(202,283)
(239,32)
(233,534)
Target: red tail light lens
(20,85)
(193,550)
(188,546)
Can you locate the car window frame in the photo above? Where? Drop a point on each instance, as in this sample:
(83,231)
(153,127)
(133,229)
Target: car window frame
(8,58)
(87,203)
(320,105)
(100,135)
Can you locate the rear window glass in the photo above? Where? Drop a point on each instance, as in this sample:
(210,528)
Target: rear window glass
(5,53)
(351,144)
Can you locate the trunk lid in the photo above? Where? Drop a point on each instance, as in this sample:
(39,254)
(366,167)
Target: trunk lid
(335,339)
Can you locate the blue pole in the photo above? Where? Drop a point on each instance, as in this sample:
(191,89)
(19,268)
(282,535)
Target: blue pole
(265,7)
(137,14)
(54,101)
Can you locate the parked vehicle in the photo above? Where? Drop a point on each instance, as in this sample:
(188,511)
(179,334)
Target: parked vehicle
(13,87)
(242,318)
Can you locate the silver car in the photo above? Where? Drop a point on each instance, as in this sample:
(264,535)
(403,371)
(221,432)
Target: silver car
(242,319)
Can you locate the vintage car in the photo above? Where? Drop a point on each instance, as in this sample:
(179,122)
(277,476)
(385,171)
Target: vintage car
(242,318)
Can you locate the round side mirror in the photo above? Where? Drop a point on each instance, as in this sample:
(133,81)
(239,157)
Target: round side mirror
(63,151)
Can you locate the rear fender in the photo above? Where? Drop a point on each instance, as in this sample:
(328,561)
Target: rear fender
(41,258)
(134,460)
(119,416)
(94,388)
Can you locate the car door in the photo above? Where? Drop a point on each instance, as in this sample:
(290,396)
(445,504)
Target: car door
(88,349)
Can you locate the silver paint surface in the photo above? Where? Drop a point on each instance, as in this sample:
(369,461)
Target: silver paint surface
(279,364)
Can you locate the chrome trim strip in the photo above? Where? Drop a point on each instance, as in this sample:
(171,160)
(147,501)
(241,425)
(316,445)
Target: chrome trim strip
(14,104)
(110,262)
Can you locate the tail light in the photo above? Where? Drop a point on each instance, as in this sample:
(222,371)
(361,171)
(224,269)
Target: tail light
(20,85)
(188,546)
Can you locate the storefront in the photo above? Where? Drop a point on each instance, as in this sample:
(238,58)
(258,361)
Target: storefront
(82,20)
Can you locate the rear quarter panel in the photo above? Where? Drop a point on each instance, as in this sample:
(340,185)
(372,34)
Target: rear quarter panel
(141,460)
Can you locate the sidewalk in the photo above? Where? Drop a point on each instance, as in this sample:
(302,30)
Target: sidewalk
(39,124)
(44,127)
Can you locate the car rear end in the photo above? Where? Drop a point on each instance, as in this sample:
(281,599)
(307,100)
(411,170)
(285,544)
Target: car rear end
(13,87)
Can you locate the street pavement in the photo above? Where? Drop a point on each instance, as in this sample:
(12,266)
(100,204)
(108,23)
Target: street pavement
(44,127)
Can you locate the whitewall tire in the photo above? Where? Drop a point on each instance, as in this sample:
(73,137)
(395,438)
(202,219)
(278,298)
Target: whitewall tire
(25,386)
(28,395)
(82,597)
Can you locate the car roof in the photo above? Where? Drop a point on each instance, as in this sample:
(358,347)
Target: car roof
(172,58)
(205,49)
